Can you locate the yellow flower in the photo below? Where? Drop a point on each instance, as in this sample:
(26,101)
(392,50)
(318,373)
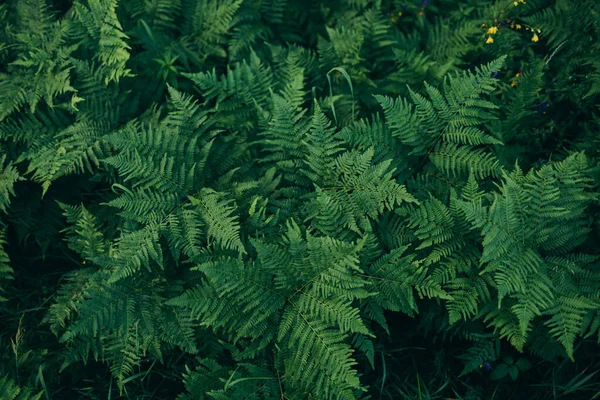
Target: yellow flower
(518,74)
(489,40)
(513,84)
(394,19)
(400,13)
(535,38)
(492,30)
(518,26)
(515,3)
(420,13)
(539,31)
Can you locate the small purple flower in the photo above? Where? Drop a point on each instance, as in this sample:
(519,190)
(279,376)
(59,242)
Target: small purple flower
(425,3)
(495,74)
(487,366)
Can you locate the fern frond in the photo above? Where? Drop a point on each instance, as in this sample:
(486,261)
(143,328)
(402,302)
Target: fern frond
(84,235)
(133,251)
(321,144)
(219,217)
(109,309)
(9,175)
(567,319)
(5,269)
(123,354)
(360,192)
(12,391)
(329,369)
(100,20)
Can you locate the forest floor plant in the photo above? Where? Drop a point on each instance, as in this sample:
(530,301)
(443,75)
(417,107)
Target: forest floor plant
(300,199)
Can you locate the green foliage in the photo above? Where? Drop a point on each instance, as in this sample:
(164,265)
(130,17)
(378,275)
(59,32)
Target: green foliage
(11,391)
(100,20)
(282,199)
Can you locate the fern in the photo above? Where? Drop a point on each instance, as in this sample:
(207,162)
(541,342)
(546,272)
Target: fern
(361,191)
(5,269)
(222,226)
(11,391)
(514,228)
(240,199)
(443,126)
(310,295)
(208,22)
(100,20)
(40,69)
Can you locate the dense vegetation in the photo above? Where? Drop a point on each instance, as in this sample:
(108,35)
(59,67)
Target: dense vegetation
(299,199)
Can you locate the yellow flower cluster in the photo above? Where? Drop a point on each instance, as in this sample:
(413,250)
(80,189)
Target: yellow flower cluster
(516,3)
(491,31)
(514,82)
(535,37)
